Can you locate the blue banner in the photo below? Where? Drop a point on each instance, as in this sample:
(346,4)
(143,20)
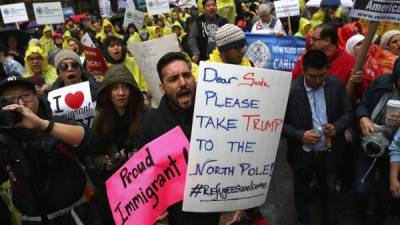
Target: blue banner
(272,52)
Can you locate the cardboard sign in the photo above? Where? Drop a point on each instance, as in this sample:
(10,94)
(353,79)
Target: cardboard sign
(157,7)
(75,102)
(147,55)
(272,52)
(133,16)
(237,123)
(13,13)
(48,13)
(286,8)
(152,180)
(95,63)
(105,8)
(377,10)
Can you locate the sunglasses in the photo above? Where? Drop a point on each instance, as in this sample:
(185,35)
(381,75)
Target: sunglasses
(64,66)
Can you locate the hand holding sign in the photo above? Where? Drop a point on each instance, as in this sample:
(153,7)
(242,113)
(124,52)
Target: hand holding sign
(152,180)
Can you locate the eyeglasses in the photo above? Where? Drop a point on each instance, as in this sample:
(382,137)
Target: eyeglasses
(64,66)
(32,59)
(314,39)
(26,97)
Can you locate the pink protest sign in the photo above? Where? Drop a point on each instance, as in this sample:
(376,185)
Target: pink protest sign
(153,179)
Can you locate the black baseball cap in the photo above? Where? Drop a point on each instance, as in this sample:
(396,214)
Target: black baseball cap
(12,81)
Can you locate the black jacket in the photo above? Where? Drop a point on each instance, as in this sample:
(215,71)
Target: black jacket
(43,178)
(157,122)
(298,116)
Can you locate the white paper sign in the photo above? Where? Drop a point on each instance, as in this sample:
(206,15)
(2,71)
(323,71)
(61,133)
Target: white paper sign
(183,3)
(75,102)
(105,8)
(286,8)
(87,41)
(133,16)
(157,7)
(13,13)
(48,13)
(147,55)
(237,122)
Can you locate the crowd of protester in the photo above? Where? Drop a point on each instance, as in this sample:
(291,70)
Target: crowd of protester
(339,133)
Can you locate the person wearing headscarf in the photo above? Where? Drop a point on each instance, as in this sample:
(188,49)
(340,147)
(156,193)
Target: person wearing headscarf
(107,29)
(46,41)
(390,43)
(115,52)
(370,71)
(130,31)
(347,31)
(38,71)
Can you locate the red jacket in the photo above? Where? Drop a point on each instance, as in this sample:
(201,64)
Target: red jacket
(340,61)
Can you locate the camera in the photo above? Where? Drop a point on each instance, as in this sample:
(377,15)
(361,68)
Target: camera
(8,119)
(375,144)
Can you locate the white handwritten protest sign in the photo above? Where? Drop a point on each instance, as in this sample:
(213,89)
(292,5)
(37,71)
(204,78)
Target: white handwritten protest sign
(377,10)
(147,55)
(105,8)
(133,16)
(157,7)
(48,12)
(237,122)
(75,102)
(13,13)
(153,179)
(286,8)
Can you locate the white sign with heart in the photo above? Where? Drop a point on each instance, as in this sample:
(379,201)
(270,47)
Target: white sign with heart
(75,102)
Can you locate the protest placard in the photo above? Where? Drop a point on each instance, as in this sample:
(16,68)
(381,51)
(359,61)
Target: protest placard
(73,101)
(105,8)
(48,13)
(13,13)
(132,15)
(377,10)
(237,122)
(153,179)
(95,63)
(272,52)
(140,5)
(147,55)
(286,8)
(157,7)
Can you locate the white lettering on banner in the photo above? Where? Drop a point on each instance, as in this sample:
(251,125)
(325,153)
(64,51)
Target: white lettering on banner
(235,119)
(377,10)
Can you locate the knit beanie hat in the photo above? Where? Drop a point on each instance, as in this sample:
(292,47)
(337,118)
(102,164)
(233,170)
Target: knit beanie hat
(229,36)
(66,54)
(386,38)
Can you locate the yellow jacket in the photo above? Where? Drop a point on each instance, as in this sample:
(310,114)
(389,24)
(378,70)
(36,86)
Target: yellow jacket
(225,8)
(49,73)
(45,42)
(177,24)
(303,23)
(102,35)
(152,32)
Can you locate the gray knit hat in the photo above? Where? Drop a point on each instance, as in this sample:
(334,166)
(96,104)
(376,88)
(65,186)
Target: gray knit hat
(229,36)
(66,54)
(387,36)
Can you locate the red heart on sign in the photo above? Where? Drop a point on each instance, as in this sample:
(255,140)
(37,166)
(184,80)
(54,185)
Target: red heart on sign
(74,101)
